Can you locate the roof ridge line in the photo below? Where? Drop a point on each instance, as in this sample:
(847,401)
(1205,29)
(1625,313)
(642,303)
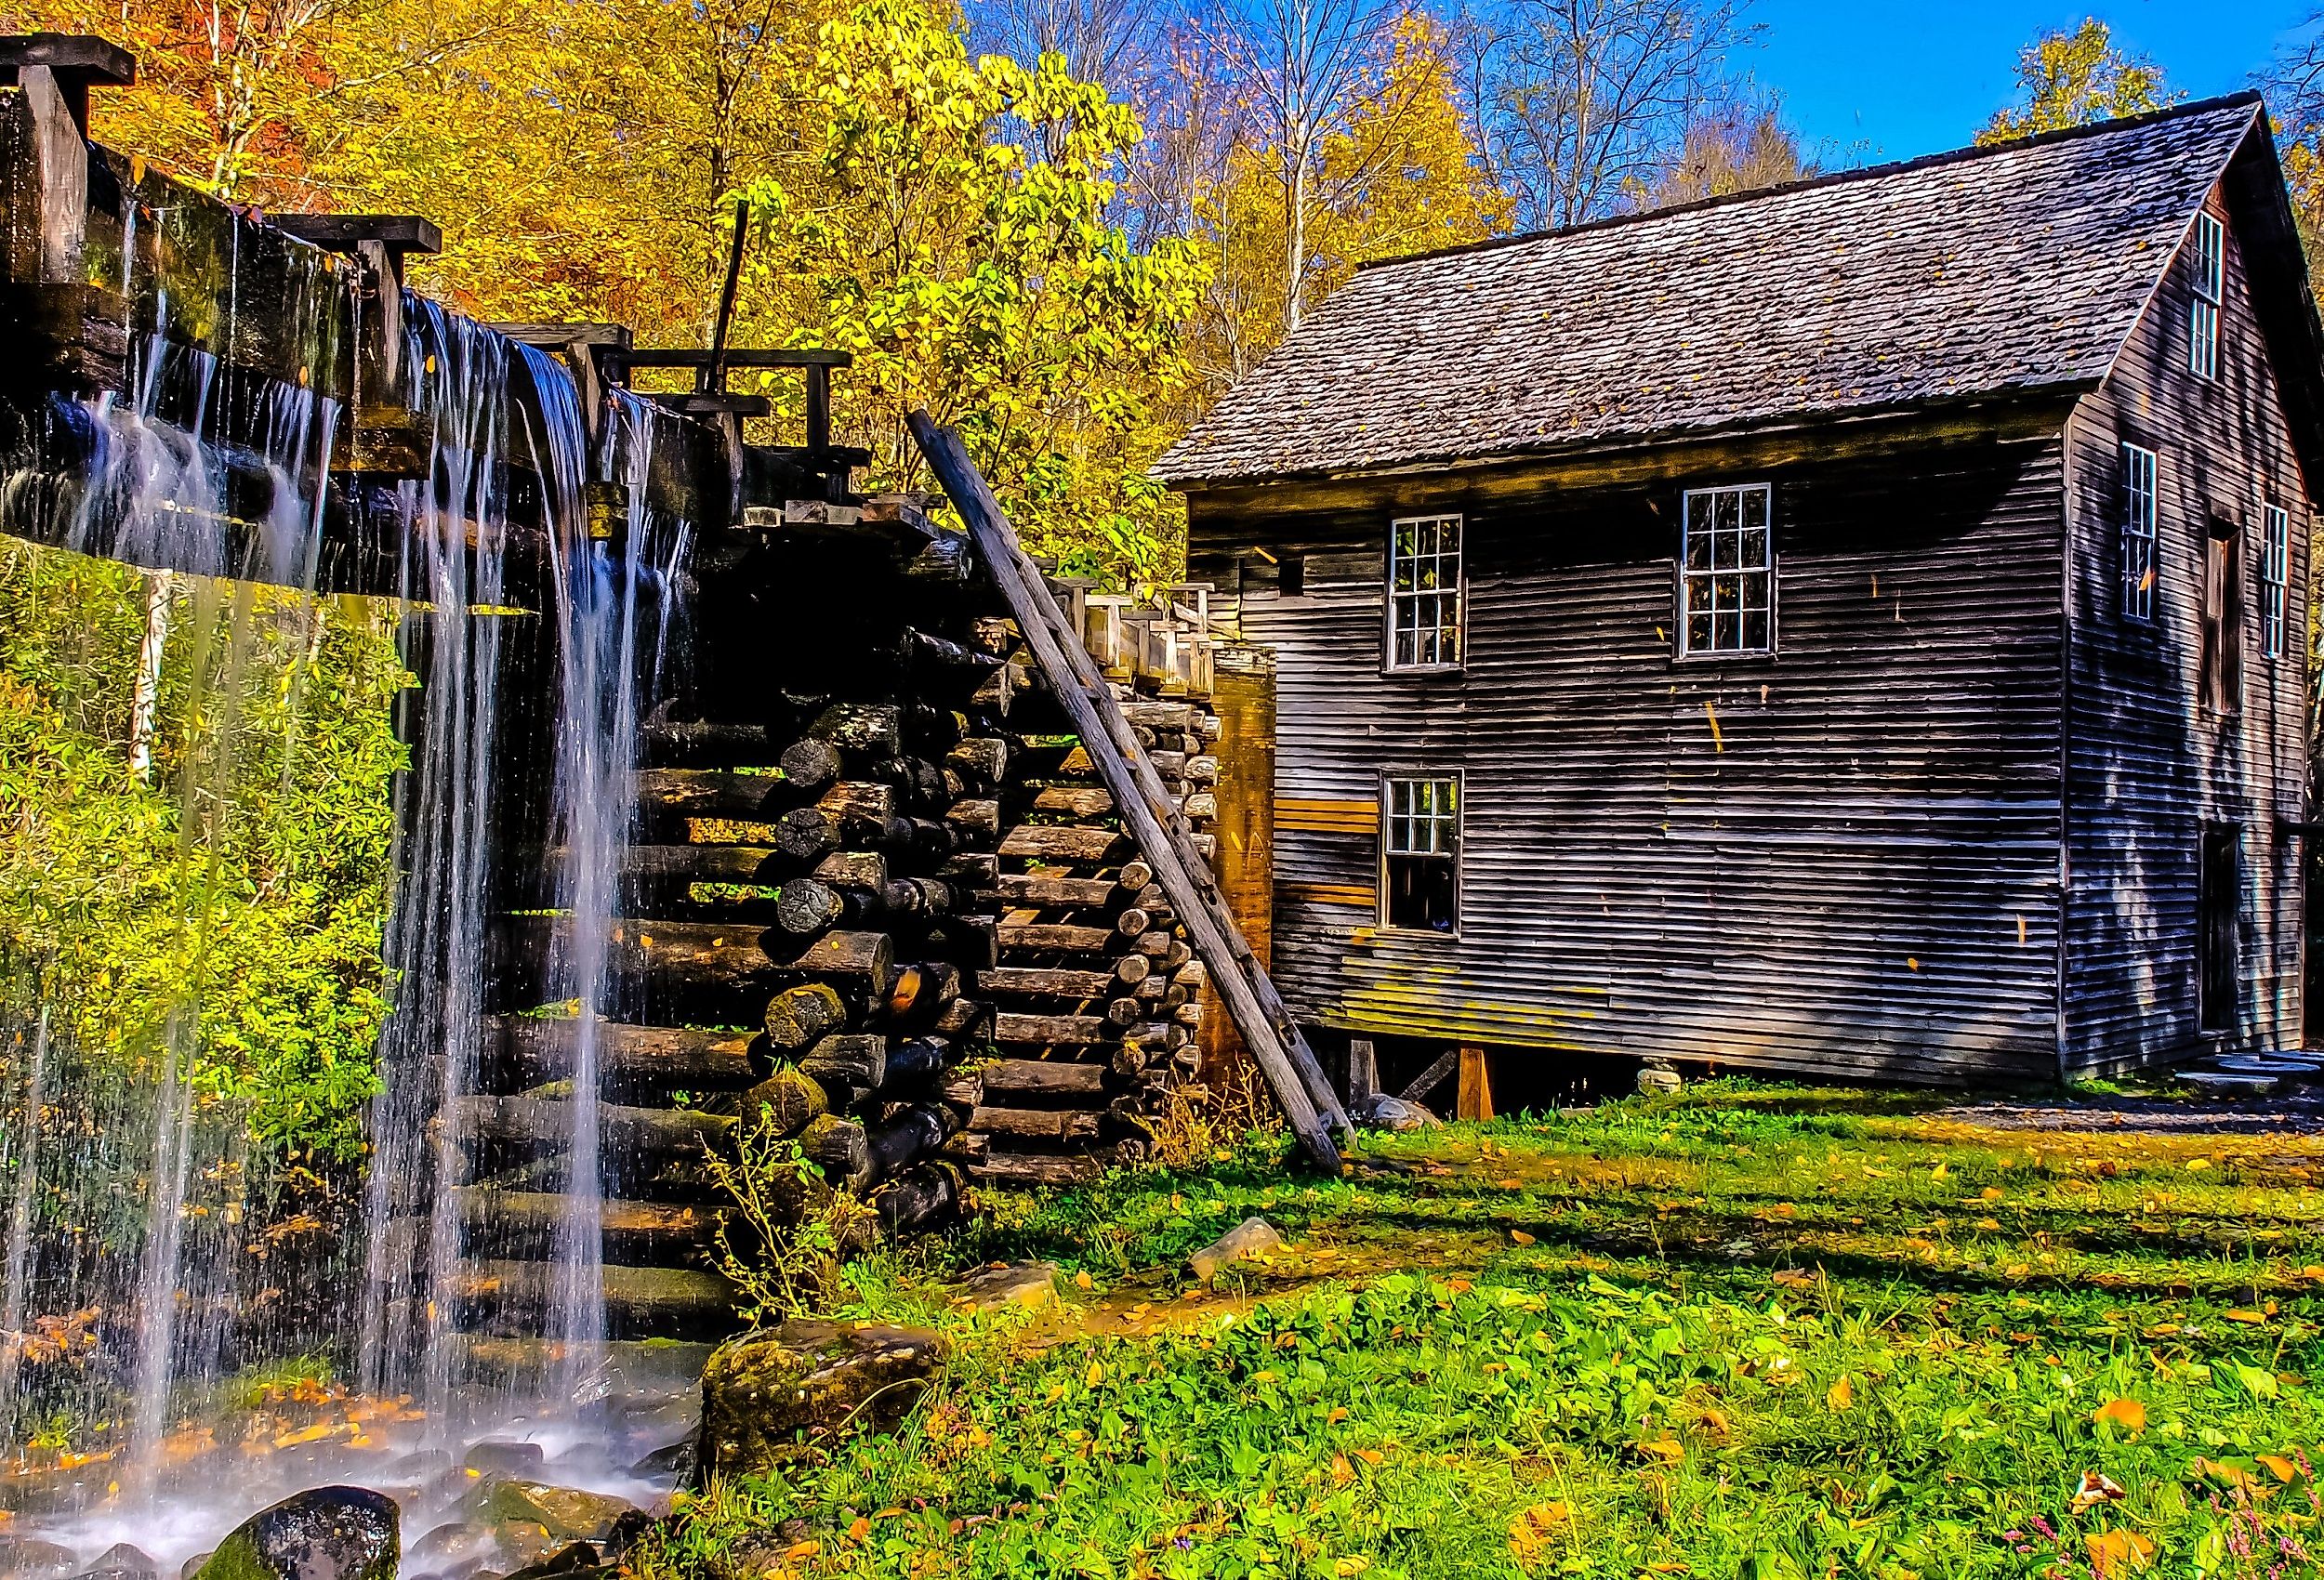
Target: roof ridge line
(1837,177)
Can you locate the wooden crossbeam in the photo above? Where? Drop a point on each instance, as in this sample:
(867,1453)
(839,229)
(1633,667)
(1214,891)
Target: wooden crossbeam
(1147,811)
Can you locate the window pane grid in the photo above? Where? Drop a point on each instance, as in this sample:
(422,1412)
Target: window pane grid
(1727,579)
(2274,578)
(2211,290)
(1423,854)
(2138,532)
(1424,592)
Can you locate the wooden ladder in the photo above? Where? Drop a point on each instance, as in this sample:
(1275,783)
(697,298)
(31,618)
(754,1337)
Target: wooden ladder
(1148,813)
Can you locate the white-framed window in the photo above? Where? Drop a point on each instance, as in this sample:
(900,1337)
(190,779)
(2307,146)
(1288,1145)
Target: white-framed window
(1727,570)
(2138,532)
(1424,593)
(1420,852)
(2211,290)
(2275,577)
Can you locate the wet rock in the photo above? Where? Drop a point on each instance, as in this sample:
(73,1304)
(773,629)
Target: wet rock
(580,1559)
(1029,1284)
(447,1546)
(672,1459)
(525,1542)
(329,1533)
(769,1392)
(122,1561)
(1381,1112)
(503,1457)
(565,1512)
(193,1566)
(22,1557)
(417,1469)
(628,1532)
(1248,1241)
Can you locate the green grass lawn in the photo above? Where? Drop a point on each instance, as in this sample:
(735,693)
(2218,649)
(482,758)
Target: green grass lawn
(1745,1331)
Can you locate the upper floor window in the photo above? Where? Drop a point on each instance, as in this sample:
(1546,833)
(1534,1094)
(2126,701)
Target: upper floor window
(1420,853)
(2275,577)
(1424,593)
(1727,570)
(2211,290)
(2138,532)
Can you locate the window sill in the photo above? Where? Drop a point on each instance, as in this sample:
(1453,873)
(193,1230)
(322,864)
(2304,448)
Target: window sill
(1420,671)
(1724,656)
(1383,929)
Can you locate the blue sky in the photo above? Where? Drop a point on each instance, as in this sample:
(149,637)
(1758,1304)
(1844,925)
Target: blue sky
(1872,80)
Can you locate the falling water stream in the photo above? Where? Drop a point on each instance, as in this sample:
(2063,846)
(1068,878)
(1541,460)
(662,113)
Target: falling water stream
(157,492)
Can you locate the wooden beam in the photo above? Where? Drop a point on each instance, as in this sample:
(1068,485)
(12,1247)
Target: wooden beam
(1476,1100)
(1148,811)
(1434,1077)
(1363,1069)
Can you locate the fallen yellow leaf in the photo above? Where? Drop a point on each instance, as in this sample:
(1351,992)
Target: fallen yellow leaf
(2278,1467)
(802,1550)
(1096,1375)
(858,1531)
(2127,1414)
(1991,1194)
(1082,1280)
(1341,1471)
(2244,1316)
(1669,1450)
(1349,1567)
(1520,1236)
(2112,1552)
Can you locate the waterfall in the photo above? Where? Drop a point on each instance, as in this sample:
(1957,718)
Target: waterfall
(436,935)
(612,606)
(24,1159)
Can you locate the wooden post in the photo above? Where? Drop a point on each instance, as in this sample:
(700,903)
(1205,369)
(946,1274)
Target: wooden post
(1363,1070)
(1148,813)
(1243,697)
(1476,1100)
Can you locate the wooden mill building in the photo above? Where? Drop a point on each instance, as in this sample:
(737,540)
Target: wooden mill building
(1858,627)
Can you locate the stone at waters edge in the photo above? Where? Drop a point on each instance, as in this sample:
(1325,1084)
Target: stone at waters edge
(22,1557)
(1029,1284)
(564,1512)
(767,1392)
(122,1561)
(1252,1238)
(329,1533)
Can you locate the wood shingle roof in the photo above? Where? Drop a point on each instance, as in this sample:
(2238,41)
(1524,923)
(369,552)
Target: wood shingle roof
(1992,272)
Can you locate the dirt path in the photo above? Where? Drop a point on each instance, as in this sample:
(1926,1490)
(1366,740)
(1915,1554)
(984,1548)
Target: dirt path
(2300,1113)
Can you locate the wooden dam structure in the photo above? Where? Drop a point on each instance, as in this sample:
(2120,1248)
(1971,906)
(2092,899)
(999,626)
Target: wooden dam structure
(920,866)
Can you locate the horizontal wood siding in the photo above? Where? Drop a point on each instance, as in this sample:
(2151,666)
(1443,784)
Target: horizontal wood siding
(2147,766)
(1843,859)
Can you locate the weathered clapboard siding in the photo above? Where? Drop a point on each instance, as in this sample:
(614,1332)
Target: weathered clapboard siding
(2147,766)
(1855,870)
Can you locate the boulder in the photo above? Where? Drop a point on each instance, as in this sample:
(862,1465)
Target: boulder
(566,1513)
(676,1459)
(769,1392)
(329,1533)
(578,1559)
(1659,1075)
(1029,1284)
(122,1561)
(503,1457)
(1248,1241)
(22,1557)
(1381,1112)
(193,1566)
(450,1547)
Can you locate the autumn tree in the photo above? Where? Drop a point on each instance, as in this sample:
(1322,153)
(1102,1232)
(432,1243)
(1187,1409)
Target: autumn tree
(1733,149)
(2295,95)
(955,239)
(1581,103)
(2071,79)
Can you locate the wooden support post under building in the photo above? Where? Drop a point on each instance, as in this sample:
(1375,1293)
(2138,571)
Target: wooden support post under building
(1243,694)
(1363,1070)
(1476,1100)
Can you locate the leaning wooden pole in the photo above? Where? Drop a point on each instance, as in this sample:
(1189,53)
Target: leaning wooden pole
(1147,811)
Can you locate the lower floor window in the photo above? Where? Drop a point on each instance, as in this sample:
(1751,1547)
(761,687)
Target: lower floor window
(1420,853)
